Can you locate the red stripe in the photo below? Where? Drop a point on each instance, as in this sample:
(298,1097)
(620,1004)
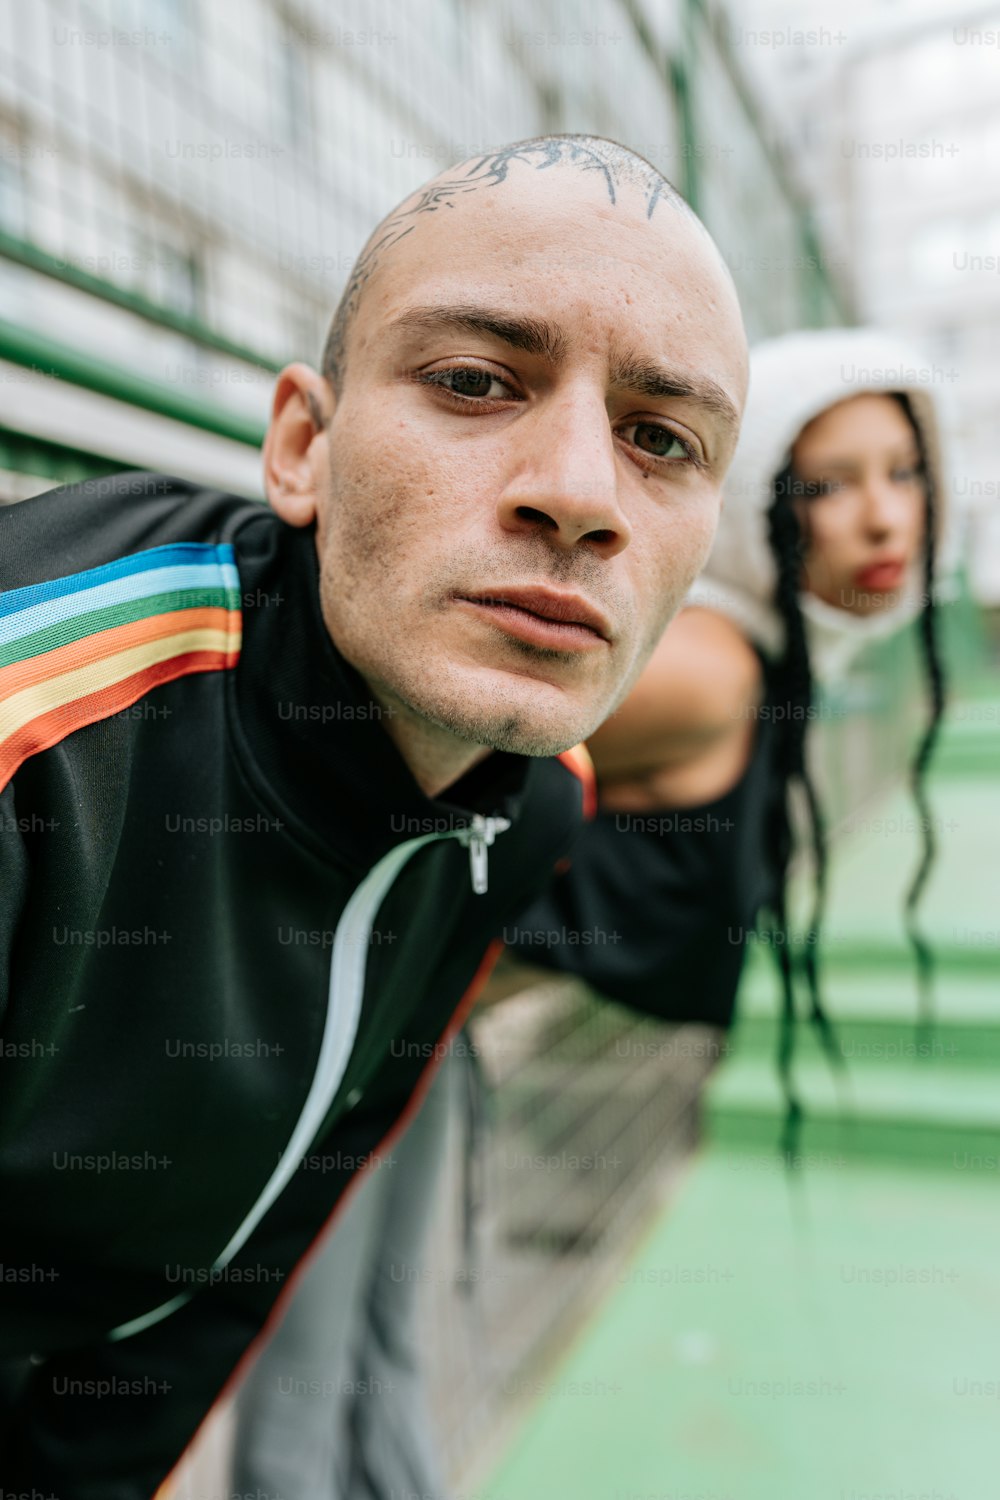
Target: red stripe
(49,728)
(280,1306)
(579,762)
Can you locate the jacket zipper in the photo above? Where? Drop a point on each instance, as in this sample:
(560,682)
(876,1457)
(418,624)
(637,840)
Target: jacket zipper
(343,1012)
(478,838)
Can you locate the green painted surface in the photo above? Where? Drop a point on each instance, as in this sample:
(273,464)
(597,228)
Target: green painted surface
(768,1343)
(872,868)
(829,1334)
(907,1108)
(905,1095)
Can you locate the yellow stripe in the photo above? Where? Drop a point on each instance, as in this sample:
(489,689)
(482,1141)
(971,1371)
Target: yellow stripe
(22,707)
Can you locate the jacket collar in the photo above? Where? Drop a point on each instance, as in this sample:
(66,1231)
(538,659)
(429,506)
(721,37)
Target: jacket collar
(312,730)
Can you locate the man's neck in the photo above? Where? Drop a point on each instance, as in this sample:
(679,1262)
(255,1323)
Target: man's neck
(436,757)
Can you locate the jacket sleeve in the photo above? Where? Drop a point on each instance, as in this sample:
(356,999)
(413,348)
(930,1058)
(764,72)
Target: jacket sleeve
(13,890)
(112,1420)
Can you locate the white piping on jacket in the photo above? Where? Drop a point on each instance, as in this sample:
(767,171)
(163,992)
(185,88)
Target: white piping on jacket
(351,943)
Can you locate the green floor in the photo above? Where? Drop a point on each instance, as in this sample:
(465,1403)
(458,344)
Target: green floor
(838,1339)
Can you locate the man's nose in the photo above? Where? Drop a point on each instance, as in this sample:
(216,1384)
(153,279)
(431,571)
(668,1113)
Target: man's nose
(565,478)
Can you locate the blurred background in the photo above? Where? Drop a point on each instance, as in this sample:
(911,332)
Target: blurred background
(184,186)
(183,189)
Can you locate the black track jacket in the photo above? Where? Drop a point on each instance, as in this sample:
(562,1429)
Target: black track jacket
(233,934)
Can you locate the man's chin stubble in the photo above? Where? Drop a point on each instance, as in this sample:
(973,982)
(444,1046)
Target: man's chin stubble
(513,732)
(499,724)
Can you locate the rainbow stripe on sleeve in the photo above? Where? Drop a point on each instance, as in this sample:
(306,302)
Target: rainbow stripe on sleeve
(80,648)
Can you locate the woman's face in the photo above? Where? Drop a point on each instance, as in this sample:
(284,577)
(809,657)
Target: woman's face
(863,514)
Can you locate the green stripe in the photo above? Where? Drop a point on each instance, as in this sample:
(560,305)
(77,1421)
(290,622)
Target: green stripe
(97,620)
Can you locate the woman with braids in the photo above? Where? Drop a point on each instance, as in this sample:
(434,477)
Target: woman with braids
(828,540)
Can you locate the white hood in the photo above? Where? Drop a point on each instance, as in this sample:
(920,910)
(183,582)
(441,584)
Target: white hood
(792,379)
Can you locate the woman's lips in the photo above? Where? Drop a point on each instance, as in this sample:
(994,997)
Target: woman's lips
(553,621)
(883,575)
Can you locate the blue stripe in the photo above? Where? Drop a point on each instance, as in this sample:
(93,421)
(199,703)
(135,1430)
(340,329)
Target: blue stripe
(128,586)
(176,554)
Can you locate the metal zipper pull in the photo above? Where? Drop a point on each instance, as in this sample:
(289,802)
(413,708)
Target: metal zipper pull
(478,837)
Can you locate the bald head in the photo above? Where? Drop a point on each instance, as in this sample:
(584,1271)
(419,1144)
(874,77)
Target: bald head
(532,392)
(615,171)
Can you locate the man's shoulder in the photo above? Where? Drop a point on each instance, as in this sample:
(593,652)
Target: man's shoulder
(109,589)
(78,527)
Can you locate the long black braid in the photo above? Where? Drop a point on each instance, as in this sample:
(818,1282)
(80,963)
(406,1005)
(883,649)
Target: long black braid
(791,691)
(937,696)
(792,688)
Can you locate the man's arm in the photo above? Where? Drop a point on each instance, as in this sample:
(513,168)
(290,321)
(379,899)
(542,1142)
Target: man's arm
(111,1420)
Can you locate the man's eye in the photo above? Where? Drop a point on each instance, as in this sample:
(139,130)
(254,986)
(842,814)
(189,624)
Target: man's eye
(469,381)
(657,441)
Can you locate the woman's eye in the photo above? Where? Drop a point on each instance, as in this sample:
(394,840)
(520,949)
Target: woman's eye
(657,441)
(909,475)
(469,381)
(814,488)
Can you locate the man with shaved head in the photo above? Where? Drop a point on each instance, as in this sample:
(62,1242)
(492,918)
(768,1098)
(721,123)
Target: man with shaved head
(273,778)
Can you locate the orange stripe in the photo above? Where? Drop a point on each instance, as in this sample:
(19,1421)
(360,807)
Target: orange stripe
(23,674)
(48,729)
(579,762)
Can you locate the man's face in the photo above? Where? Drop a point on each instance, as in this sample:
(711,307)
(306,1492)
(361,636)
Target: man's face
(516,500)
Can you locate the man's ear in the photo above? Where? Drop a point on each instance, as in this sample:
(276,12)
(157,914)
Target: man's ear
(294,467)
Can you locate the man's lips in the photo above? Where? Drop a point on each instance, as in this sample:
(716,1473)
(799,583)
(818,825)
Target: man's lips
(887,574)
(542,617)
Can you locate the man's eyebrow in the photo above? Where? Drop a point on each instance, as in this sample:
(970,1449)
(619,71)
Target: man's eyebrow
(536,336)
(650,379)
(532,335)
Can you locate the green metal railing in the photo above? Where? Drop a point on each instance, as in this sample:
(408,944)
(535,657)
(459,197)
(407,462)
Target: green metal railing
(23,253)
(49,357)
